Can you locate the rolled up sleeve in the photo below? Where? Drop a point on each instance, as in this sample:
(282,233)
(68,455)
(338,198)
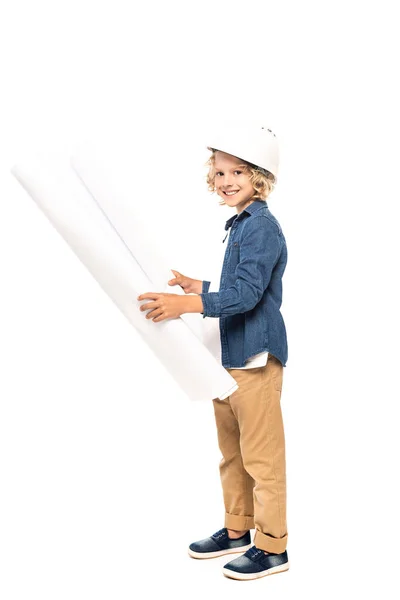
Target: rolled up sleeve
(205,286)
(260,248)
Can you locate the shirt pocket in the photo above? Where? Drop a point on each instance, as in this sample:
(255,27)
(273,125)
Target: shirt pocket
(235,252)
(233,256)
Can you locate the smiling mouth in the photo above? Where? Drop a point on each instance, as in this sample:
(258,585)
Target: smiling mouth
(232,193)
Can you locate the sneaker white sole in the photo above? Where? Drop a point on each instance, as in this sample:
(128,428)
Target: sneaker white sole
(238,550)
(244,576)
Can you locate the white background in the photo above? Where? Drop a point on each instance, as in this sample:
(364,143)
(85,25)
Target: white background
(107,470)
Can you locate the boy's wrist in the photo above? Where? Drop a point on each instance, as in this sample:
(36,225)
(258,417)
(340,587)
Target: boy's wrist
(193,304)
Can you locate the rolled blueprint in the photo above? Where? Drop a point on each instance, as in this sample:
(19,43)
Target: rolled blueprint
(124,264)
(106,176)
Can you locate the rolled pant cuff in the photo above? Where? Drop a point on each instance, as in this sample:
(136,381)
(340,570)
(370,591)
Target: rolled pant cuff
(270,544)
(239,522)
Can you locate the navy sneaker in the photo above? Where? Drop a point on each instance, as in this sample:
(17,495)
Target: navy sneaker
(219,544)
(255,563)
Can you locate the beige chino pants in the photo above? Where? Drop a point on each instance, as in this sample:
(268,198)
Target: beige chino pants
(252,442)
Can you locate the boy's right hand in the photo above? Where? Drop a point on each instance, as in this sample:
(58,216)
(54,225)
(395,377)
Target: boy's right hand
(189,285)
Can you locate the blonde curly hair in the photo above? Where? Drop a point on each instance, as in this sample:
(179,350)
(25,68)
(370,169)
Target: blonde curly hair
(262,180)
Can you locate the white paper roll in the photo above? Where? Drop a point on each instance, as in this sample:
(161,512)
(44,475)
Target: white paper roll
(124,263)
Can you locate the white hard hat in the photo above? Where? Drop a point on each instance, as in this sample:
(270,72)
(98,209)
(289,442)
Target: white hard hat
(253,144)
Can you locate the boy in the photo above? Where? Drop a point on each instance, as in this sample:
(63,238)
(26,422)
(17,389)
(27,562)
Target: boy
(243,172)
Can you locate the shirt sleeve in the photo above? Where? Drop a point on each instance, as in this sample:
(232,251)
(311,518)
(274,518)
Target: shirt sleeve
(205,286)
(259,250)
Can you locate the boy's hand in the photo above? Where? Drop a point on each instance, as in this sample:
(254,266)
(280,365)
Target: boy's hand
(163,306)
(189,285)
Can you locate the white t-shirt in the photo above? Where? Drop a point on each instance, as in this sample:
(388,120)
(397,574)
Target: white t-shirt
(258,360)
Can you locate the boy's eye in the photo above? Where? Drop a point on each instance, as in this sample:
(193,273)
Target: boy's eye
(220,172)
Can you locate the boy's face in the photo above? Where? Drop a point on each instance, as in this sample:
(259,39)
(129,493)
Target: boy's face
(231,177)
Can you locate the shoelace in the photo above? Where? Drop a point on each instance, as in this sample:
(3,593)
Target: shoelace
(253,552)
(220,533)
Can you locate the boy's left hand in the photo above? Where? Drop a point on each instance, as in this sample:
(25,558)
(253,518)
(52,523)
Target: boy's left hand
(164,306)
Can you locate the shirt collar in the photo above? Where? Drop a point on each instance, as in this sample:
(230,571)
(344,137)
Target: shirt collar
(255,205)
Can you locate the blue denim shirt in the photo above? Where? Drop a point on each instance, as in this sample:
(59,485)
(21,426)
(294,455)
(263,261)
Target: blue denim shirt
(250,292)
